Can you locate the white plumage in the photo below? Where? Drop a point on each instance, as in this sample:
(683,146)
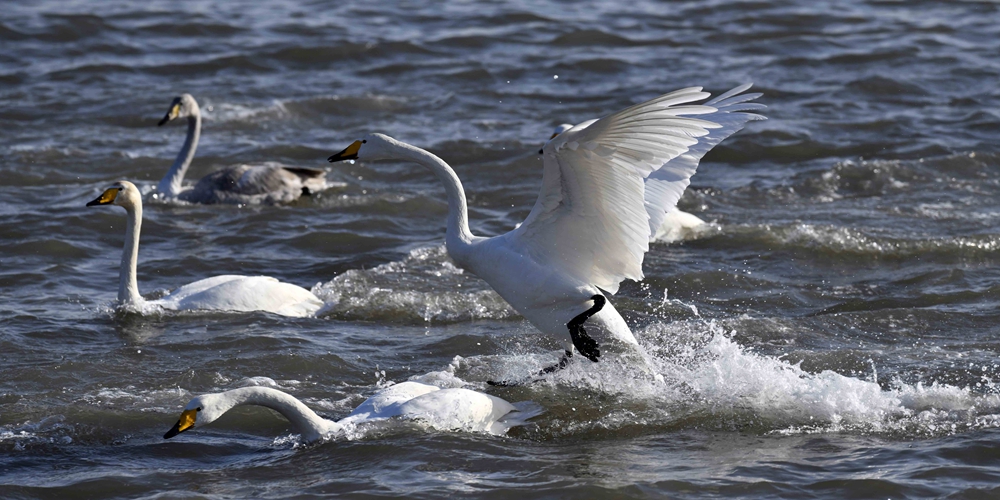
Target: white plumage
(219,293)
(606,186)
(665,185)
(442,409)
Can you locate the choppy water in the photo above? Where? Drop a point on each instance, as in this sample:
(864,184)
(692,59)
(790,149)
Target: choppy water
(830,335)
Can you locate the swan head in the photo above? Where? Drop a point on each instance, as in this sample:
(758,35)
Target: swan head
(183,106)
(556,133)
(121,193)
(560,129)
(369,147)
(200,412)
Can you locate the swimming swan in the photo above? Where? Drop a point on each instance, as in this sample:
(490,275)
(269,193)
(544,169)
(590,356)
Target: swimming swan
(606,186)
(245,184)
(443,409)
(222,293)
(664,188)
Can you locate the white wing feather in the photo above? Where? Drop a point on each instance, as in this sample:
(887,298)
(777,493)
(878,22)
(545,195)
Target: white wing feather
(590,220)
(665,186)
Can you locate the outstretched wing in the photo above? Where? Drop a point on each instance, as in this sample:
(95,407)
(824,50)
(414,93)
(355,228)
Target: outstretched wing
(590,219)
(665,186)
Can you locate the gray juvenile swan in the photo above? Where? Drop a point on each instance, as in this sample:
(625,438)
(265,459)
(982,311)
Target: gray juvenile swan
(268,183)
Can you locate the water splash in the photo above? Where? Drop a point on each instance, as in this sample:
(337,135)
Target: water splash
(424,287)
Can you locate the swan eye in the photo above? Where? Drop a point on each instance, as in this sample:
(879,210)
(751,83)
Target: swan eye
(364,142)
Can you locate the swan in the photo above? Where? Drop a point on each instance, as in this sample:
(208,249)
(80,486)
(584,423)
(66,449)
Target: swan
(442,409)
(242,184)
(221,293)
(676,223)
(606,185)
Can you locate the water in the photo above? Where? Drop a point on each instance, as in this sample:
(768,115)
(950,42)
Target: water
(829,335)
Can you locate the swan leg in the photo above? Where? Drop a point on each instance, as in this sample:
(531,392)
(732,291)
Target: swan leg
(558,366)
(584,343)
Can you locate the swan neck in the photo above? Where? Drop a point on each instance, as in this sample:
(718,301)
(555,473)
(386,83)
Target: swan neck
(128,287)
(170,186)
(311,426)
(458,236)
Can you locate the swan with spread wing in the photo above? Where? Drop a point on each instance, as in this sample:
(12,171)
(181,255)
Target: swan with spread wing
(606,187)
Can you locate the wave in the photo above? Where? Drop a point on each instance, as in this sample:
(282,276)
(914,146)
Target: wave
(424,287)
(823,241)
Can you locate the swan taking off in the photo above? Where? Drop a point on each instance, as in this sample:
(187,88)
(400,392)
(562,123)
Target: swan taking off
(221,293)
(665,186)
(243,184)
(442,409)
(606,186)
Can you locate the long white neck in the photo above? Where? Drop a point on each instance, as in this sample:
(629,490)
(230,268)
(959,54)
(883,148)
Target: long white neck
(311,426)
(170,186)
(458,236)
(128,288)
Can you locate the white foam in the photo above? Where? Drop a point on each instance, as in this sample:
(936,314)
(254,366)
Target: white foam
(423,287)
(708,374)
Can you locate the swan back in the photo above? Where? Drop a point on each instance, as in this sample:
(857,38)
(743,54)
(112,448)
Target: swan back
(385,403)
(442,409)
(243,293)
(458,409)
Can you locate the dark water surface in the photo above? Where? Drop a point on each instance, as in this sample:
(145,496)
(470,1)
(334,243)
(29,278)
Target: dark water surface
(832,334)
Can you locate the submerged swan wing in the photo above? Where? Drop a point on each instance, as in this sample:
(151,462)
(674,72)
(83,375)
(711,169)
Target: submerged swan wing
(590,220)
(665,186)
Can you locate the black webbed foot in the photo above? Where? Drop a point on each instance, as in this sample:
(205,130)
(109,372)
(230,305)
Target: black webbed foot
(584,343)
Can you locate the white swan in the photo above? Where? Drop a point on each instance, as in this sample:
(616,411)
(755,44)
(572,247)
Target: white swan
(605,187)
(442,409)
(244,184)
(221,293)
(665,186)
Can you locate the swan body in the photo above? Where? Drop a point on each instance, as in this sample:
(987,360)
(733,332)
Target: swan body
(442,409)
(665,185)
(220,293)
(268,183)
(676,226)
(606,187)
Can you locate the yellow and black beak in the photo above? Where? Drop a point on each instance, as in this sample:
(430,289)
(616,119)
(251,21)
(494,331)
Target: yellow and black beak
(106,198)
(351,153)
(186,422)
(173,112)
